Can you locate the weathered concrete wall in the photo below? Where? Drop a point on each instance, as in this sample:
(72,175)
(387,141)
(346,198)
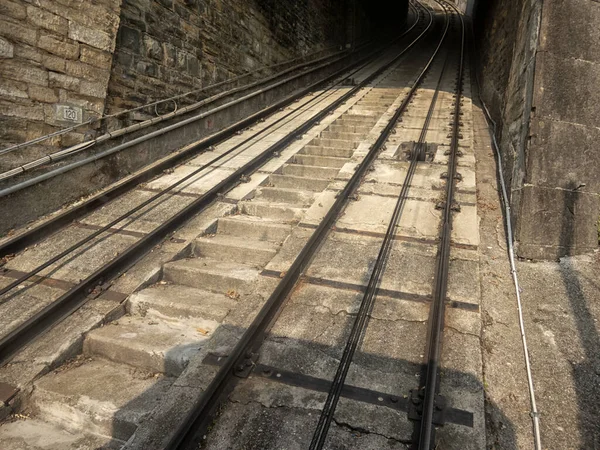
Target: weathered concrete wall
(560,204)
(539,71)
(507,34)
(166,47)
(53,53)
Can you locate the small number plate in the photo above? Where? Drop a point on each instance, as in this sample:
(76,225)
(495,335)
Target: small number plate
(69,113)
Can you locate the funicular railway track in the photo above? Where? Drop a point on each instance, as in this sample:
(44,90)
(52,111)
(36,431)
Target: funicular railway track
(426,405)
(324,102)
(314,189)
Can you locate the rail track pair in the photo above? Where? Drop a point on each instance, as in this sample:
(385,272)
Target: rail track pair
(426,396)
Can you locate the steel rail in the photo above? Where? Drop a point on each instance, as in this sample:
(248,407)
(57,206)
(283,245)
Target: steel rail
(37,233)
(73,299)
(362,317)
(430,383)
(249,343)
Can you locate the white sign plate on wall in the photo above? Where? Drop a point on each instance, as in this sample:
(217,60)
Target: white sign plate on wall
(69,113)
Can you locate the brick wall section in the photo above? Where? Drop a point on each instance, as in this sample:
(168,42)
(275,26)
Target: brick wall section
(53,52)
(166,47)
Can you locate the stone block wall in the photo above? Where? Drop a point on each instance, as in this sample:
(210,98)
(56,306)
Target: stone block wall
(540,72)
(55,63)
(166,47)
(66,61)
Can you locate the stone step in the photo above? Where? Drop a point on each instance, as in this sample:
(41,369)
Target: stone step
(302,183)
(33,434)
(177,301)
(101,397)
(256,228)
(320,150)
(372,104)
(359,129)
(380,97)
(336,143)
(226,247)
(212,275)
(303,170)
(274,211)
(285,195)
(369,109)
(154,345)
(375,102)
(322,161)
(356,119)
(348,136)
(367,122)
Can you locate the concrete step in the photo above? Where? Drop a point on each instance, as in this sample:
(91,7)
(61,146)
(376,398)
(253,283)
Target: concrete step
(303,170)
(285,195)
(320,150)
(322,161)
(336,143)
(380,97)
(361,120)
(268,210)
(357,122)
(348,136)
(256,228)
(225,247)
(358,129)
(303,183)
(372,105)
(100,397)
(154,345)
(369,109)
(176,301)
(212,275)
(33,434)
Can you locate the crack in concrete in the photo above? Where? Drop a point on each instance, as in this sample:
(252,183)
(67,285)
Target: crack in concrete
(339,423)
(361,430)
(280,339)
(465,333)
(353,314)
